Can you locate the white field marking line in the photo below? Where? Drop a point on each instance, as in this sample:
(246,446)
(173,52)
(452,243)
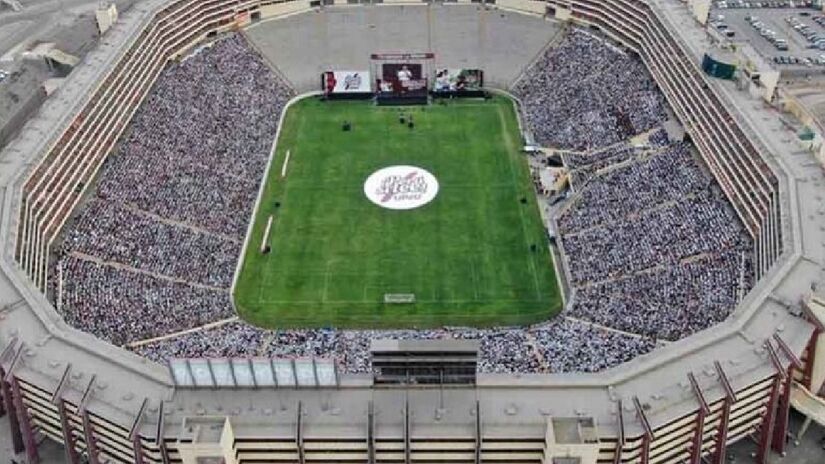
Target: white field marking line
(509,142)
(211,325)
(461,301)
(286,162)
(311,185)
(267,230)
(268,269)
(253,214)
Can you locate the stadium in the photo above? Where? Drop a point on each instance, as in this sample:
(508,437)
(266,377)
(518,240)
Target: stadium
(332,232)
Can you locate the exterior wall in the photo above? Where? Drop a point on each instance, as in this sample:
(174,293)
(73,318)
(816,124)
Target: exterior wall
(672,442)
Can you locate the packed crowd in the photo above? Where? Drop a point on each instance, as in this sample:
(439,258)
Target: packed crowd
(122,306)
(153,252)
(200,142)
(584,165)
(661,178)
(658,226)
(558,346)
(658,138)
(114,233)
(586,94)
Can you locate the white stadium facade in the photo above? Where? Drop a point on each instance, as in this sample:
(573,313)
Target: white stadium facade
(681,403)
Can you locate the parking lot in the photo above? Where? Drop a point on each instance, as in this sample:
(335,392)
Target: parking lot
(787,37)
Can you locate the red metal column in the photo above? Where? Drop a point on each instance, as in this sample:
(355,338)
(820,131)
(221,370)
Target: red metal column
(2,402)
(780,431)
(701,414)
(25,424)
(138,450)
(68,436)
(134,435)
(620,433)
(648,436)
(88,433)
(14,422)
(4,357)
(766,430)
(645,449)
(91,445)
(698,433)
(722,433)
(807,374)
(783,410)
(164,453)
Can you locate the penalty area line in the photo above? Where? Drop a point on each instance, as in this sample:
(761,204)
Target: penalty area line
(286,162)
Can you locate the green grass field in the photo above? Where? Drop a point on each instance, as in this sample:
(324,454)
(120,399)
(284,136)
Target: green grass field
(466,255)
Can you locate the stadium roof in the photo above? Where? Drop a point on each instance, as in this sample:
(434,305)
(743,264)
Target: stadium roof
(40,347)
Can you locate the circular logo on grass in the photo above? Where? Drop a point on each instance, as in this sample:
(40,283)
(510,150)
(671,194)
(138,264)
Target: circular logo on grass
(401,187)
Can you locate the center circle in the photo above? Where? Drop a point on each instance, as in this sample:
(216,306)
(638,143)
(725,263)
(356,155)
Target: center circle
(401,187)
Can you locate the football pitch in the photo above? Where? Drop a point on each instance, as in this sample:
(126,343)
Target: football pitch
(476,255)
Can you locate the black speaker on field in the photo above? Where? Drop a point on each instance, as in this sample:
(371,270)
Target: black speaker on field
(410,124)
(533,248)
(402,119)
(266,250)
(523,200)
(277,204)
(346,126)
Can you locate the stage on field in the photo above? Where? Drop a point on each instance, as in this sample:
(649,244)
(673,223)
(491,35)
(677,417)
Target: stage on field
(397,218)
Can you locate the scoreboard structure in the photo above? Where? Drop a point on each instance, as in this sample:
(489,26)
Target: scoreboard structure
(402,78)
(424,362)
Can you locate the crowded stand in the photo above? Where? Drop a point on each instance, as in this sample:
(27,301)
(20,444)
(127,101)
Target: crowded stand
(200,143)
(571,346)
(679,299)
(148,261)
(584,165)
(123,306)
(661,178)
(558,346)
(113,233)
(673,232)
(658,138)
(656,226)
(154,250)
(586,94)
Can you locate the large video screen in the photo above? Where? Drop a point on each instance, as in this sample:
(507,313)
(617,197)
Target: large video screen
(458,80)
(345,82)
(401,78)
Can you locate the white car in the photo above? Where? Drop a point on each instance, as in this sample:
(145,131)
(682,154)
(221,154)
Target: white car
(3,75)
